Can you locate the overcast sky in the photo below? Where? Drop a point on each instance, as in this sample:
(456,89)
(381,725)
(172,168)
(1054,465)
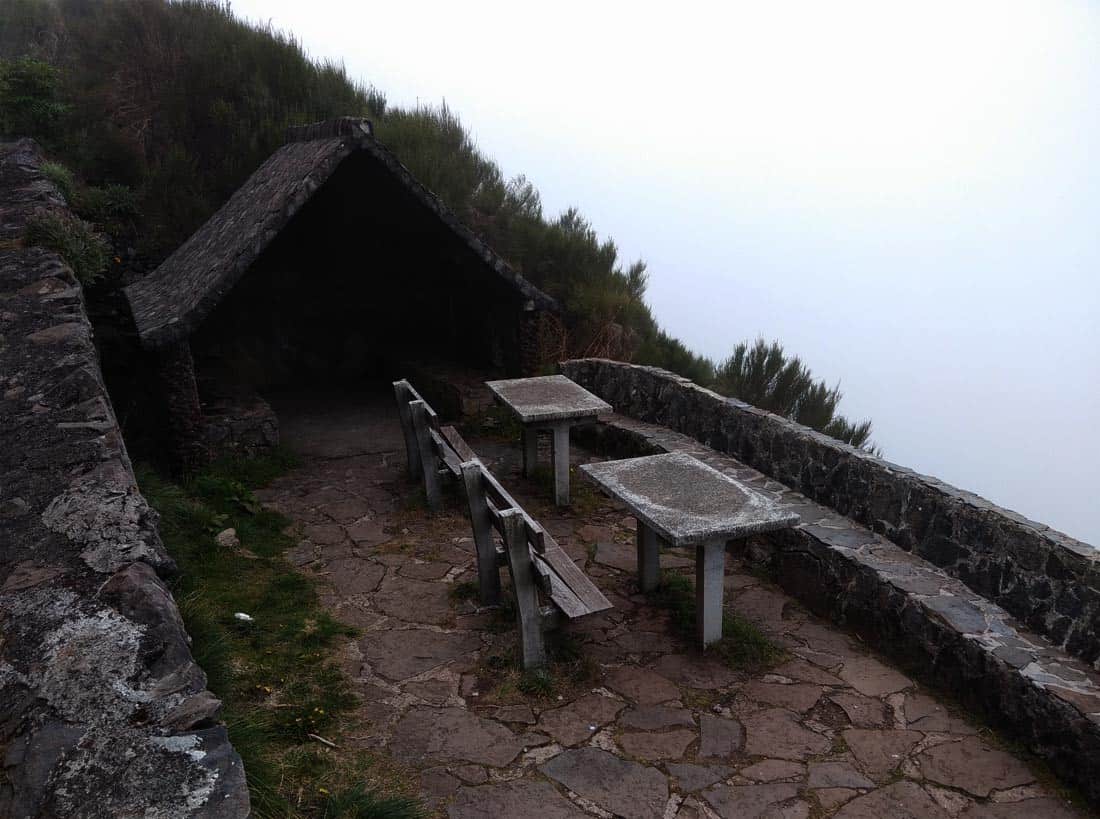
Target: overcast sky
(906,195)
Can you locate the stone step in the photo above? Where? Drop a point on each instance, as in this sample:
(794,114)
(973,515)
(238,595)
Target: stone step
(929,622)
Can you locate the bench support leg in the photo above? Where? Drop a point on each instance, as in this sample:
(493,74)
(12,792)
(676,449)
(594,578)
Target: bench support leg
(530,451)
(561,464)
(488,573)
(710,567)
(428,464)
(531,640)
(412,450)
(649,558)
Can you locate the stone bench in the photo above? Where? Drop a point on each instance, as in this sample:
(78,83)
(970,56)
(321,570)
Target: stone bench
(931,623)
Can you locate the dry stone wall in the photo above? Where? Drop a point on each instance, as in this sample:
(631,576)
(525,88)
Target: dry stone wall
(1048,580)
(103,711)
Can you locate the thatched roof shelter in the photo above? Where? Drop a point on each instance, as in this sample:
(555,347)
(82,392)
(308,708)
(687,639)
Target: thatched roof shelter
(331,265)
(172,302)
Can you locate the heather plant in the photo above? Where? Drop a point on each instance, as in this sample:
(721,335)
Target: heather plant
(765,376)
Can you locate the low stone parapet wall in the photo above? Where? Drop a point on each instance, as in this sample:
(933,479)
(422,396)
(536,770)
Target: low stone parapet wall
(932,624)
(1047,579)
(103,711)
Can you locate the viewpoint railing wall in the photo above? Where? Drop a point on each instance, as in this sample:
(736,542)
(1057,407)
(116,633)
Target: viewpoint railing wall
(1047,579)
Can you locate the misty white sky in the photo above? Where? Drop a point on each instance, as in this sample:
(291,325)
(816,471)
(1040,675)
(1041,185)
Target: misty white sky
(906,195)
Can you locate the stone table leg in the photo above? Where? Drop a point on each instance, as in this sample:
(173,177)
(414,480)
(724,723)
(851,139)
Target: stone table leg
(710,568)
(649,558)
(561,464)
(530,451)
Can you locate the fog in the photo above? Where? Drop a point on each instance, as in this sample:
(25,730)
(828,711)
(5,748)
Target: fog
(906,196)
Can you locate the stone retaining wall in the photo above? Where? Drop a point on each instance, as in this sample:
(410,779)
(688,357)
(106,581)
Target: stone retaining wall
(1047,579)
(103,711)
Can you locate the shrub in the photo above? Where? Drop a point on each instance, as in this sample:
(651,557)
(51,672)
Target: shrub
(30,103)
(110,206)
(765,376)
(61,177)
(79,245)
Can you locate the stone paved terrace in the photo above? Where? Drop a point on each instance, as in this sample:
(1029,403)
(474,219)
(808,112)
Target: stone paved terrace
(656,729)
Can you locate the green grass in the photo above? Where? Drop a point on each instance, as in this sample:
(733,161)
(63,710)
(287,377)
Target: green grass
(276,675)
(62,178)
(360,803)
(467,590)
(568,672)
(743,646)
(86,252)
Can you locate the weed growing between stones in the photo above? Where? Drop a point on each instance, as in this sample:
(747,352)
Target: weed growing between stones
(275,673)
(360,803)
(569,672)
(496,423)
(743,646)
(466,590)
(75,240)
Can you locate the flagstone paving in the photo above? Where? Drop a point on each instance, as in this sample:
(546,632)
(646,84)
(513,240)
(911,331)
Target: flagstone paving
(641,725)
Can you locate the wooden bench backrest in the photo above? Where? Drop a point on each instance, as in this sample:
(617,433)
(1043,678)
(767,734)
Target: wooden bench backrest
(560,578)
(429,446)
(405,394)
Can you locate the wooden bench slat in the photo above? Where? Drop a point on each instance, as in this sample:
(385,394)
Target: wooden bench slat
(446,454)
(533,527)
(563,597)
(574,578)
(461,448)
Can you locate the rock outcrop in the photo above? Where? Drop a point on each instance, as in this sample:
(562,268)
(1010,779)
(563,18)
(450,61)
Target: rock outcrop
(103,711)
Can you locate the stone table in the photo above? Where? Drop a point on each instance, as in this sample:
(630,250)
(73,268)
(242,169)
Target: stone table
(684,502)
(553,403)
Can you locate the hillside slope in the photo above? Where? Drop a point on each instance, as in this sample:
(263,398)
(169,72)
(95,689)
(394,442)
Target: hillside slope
(163,109)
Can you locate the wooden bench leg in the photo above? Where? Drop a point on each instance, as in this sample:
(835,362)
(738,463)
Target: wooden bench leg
(428,467)
(561,464)
(649,558)
(531,639)
(412,450)
(488,572)
(710,568)
(530,451)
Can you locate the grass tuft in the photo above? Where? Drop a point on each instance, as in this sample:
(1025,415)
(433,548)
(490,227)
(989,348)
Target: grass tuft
(466,590)
(359,803)
(74,239)
(61,177)
(743,646)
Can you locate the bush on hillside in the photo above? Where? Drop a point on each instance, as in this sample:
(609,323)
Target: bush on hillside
(765,376)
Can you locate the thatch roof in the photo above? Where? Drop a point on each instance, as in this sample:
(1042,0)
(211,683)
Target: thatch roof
(172,302)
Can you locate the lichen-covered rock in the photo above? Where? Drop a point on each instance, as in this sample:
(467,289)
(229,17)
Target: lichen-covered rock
(103,712)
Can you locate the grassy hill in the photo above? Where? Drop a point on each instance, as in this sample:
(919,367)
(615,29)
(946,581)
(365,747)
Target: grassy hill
(157,112)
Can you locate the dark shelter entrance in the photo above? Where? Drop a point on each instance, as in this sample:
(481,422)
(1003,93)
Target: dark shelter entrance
(331,267)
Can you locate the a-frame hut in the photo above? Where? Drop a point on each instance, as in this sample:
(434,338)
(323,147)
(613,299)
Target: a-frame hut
(330,264)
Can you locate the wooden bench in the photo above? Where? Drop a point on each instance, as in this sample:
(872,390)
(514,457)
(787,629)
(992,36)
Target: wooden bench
(432,450)
(537,564)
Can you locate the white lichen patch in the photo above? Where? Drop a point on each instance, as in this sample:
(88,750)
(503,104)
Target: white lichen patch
(108,522)
(184,743)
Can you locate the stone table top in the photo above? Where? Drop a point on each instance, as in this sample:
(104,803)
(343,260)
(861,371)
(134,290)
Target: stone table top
(547,398)
(686,501)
